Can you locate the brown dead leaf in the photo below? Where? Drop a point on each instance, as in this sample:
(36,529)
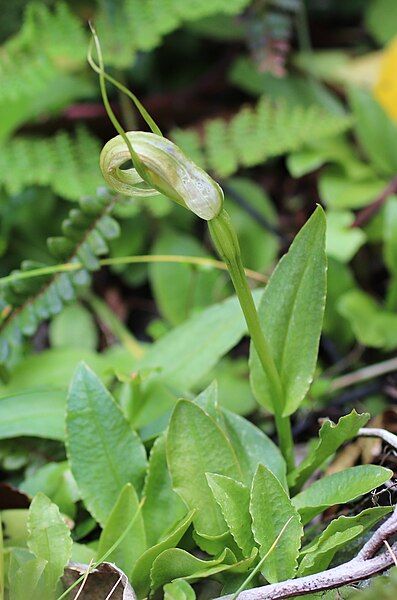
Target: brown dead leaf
(99,583)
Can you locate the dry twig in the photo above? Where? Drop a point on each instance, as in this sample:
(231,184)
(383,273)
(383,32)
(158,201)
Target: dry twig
(364,565)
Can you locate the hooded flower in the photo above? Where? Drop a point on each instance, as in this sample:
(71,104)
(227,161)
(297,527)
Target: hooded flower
(163,168)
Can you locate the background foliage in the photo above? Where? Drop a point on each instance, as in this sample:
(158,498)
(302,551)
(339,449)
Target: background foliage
(287,104)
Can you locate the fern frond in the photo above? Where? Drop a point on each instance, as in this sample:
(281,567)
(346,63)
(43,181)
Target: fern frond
(29,301)
(39,62)
(254,135)
(48,43)
(133,25)
(66,163)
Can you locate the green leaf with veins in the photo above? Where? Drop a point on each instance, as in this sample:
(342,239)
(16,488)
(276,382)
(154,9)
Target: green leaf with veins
(133,545)
(291,314)
(271,509)
(163,507)
(104,452)
(318,554)
(140,577)
(331,437)
(195,446)
(339,488)
(49,538)
(234,498)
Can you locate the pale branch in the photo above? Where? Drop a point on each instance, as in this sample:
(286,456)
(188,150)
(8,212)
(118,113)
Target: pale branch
(383,434)
(363,566)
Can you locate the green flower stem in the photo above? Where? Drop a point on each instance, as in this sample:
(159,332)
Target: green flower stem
(226,243)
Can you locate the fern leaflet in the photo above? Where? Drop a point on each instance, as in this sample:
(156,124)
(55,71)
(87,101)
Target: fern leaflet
(27,302)
(254,135)
(68,164)
(132,25)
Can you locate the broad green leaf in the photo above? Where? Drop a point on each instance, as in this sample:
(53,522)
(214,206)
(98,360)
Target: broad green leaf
(339,281)
(188,352)
(390,234)
(74,327)
(192,288)
(208,401)
(162,507)
(253,448)
(313,563)
(291,313)
(215,544)
(390,249)
(339,488)
(49,538)
(176,563)
(195,446)
(233,498)
(234,390)
(271,509)
(36,413)
(331,437)
(29,575)
(376,132)
(104,452)
(52,368)
(343,241)
(373,326)
(318,555)
(340,192)
(15,526)
(381,20)
(56,482)
(179,590)
(81,553)
(140,577)
(133,545)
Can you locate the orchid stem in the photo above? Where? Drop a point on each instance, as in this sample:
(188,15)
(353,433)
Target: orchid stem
(227,246)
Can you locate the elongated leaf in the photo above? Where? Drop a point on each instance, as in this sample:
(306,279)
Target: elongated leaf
(253,448)
(331,437)
(208,401)
(192,349)
(133,545)
(74,327)
(52,369)
(271,509)
(215,544)
(36,413)
(162,507)
(191,287)
(176,563)
(55,480)
(179,590)
(196,446)
(376,132)
(49,538)
(233,498)
(104,452)
(318,555)
(372,325)
(291,313)
(389,234)
(141,573)
(339,488)
(30,575)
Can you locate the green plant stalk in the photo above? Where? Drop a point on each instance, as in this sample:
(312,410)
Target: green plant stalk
(226,243)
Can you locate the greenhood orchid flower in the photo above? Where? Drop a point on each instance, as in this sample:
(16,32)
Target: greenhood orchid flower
(160,167)
(164,169)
